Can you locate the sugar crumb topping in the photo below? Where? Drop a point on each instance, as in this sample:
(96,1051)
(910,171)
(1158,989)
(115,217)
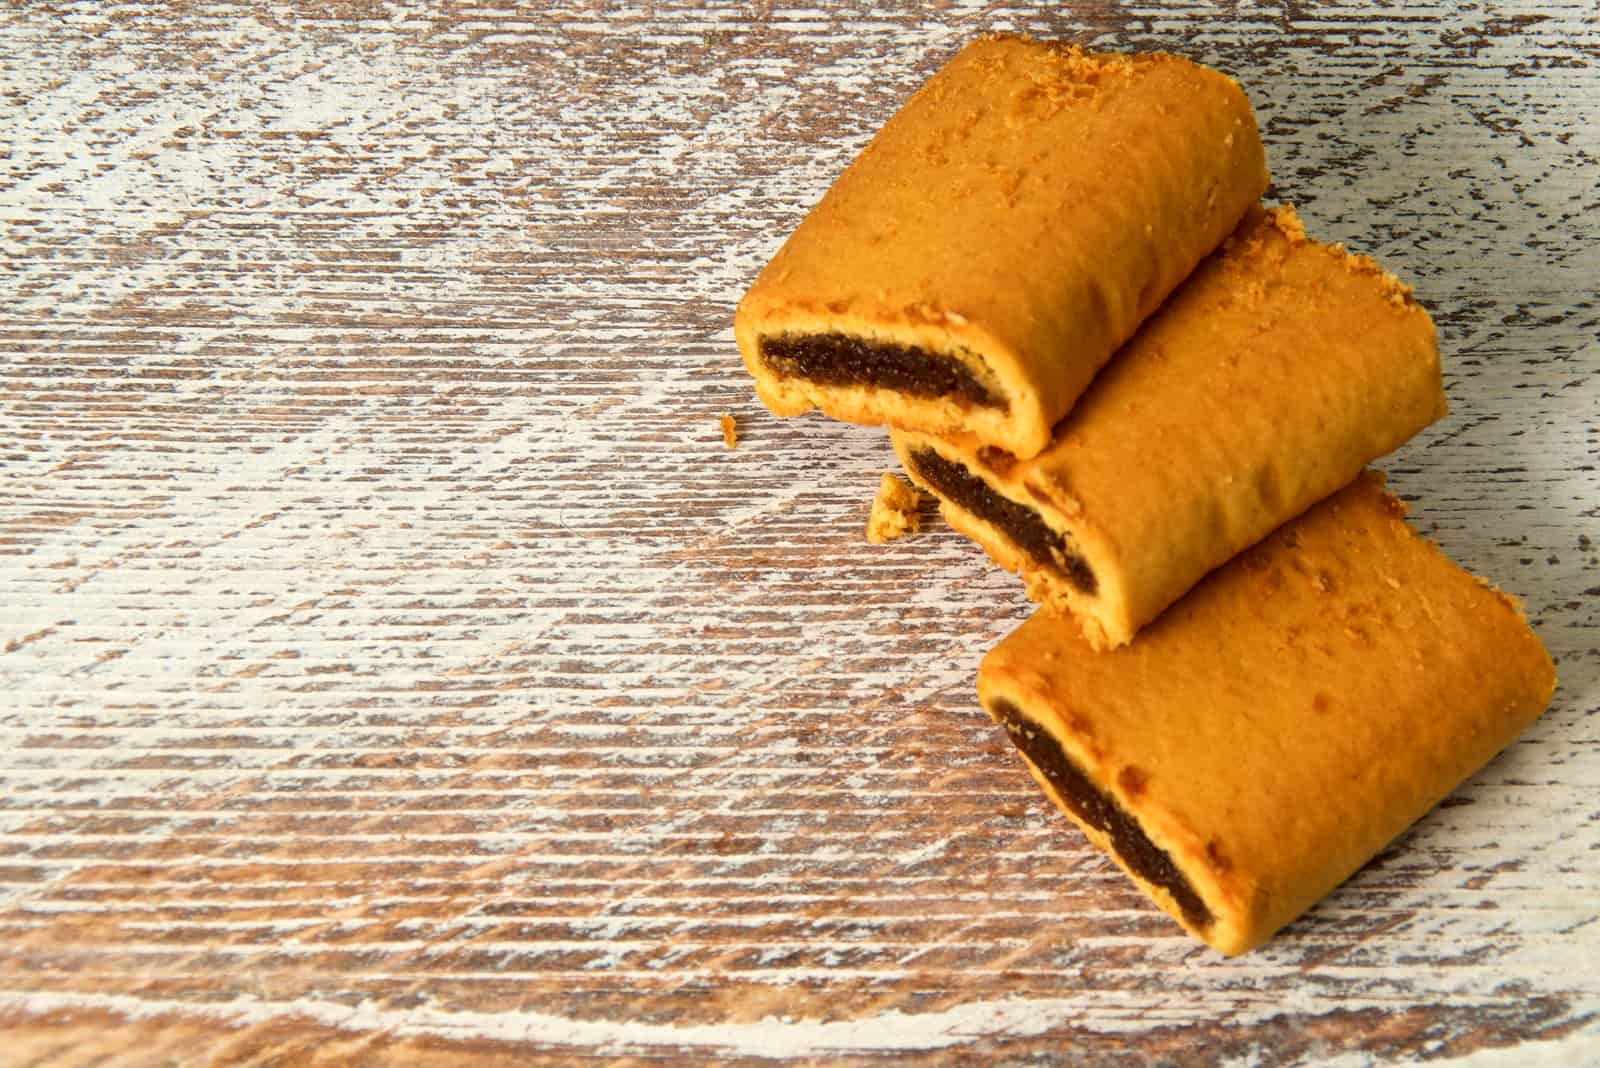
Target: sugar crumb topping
(1394,291)
(1287,221)
(1066,74)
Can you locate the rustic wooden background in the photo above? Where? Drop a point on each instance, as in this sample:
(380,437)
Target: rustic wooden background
(397,668)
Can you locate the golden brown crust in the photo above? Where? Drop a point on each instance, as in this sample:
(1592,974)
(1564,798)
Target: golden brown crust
(1021,214)
(1265,383)
(1294,713)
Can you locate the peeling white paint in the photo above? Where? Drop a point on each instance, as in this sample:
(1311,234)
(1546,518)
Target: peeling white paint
(377,581)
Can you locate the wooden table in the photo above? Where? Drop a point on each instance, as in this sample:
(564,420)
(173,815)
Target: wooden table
(397,667)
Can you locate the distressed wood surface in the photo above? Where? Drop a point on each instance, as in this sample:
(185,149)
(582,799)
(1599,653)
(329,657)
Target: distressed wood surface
(398,668)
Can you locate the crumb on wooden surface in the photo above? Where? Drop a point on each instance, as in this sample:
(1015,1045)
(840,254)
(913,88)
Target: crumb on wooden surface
(894,510)
(730,430)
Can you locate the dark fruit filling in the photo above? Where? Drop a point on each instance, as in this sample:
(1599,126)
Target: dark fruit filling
(1100,811)
(842,360)
(1021,524)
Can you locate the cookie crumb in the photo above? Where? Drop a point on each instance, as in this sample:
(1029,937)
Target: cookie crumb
(894,510)
(730,430)
(1287,220)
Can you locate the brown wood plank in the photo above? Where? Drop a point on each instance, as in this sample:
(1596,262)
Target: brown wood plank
(398,668)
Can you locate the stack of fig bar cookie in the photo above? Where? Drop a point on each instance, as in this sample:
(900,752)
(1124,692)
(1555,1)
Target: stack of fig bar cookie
(1154,399)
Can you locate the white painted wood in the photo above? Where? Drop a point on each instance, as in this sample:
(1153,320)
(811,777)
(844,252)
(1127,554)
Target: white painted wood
(397,666)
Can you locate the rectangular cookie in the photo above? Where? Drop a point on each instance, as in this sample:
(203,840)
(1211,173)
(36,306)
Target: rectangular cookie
(1267,381)
(1008,228)
(1281,724)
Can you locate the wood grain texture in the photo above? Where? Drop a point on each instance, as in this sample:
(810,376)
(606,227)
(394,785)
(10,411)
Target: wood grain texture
(398,668)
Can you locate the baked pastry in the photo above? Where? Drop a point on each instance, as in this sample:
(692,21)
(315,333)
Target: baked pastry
(1007,229)
(894,511)
(1282,723)
(1265,383)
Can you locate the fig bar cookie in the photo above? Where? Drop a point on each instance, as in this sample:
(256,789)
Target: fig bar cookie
(1266,382)
(997,240)
(1283,722)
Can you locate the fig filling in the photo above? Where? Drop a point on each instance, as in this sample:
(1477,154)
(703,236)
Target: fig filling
(842,360)
(1021,524)
(1099,810)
